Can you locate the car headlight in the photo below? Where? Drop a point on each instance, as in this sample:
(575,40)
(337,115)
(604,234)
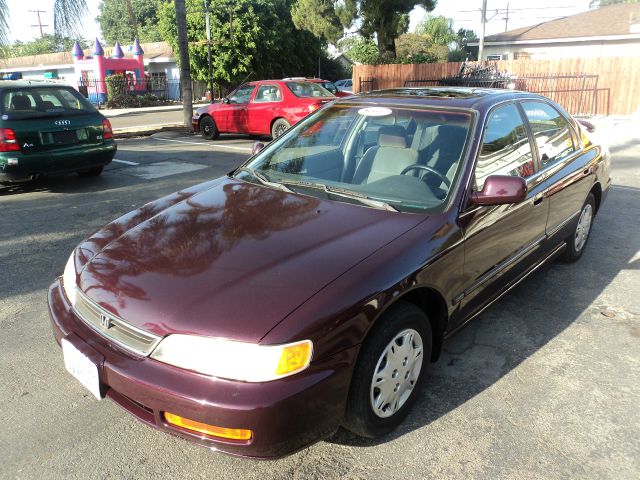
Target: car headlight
(247,362)
(69,280)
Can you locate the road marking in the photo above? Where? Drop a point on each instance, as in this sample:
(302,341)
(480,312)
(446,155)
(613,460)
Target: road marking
(151,171)
(126,162)
(244,149)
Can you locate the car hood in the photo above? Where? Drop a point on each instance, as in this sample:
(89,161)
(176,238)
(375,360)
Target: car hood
(232,260)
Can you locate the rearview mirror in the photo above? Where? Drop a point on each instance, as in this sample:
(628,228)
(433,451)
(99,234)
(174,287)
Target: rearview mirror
(501,190)
(257,146)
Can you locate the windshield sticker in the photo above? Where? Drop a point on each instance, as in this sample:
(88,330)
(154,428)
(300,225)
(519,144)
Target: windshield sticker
(375,111)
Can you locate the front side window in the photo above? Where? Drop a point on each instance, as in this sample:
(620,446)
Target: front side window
(43,102)
(551,131)
(267,93)
(399,158)
(505,147)
(242,94)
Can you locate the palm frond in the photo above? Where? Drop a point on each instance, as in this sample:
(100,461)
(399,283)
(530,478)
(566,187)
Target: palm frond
(4,23)
(68,16)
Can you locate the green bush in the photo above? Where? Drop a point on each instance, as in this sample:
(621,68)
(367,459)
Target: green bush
(131,100)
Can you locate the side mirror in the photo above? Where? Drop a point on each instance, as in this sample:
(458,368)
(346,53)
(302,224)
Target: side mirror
(257,146)
(225,100)
(500,190)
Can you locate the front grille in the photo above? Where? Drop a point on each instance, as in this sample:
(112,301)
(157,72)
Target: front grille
(119,331)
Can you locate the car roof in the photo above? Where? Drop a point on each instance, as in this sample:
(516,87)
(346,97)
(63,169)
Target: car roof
(458,97)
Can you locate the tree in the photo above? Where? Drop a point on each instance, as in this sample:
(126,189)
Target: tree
(360,49)
(463,51)
(249,39)
(185,71)
(386,19)
(47,44)
(142,23)
(439,29)
(605,3)
(415,48)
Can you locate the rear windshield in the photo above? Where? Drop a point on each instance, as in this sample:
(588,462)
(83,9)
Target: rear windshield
(43,102)
(307,89)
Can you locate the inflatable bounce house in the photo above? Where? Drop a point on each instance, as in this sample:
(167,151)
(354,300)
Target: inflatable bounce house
(93,71)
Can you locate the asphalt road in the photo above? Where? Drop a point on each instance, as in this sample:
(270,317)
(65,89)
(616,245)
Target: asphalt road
(144,119)
(545,384)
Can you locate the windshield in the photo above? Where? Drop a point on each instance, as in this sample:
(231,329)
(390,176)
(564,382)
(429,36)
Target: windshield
(405,159)
(308,89)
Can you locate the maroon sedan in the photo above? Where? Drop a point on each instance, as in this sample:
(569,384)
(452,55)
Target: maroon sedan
(313,286)
(265,107)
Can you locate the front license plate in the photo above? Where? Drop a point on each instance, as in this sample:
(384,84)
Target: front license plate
(79,365)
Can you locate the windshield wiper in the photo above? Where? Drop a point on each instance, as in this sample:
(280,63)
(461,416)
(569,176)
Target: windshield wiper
(264,180)
(342,192)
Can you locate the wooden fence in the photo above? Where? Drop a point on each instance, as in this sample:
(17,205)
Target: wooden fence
(614,91)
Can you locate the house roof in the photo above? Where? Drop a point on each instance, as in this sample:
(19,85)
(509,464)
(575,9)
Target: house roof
(621,20)
(157,50)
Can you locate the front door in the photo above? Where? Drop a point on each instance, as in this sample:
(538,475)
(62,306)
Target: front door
(234,113)
(501,241)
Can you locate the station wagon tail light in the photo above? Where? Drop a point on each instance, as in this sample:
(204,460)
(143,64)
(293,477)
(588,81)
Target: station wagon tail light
(8,141)
(212,430)
(107,131)
(246,362)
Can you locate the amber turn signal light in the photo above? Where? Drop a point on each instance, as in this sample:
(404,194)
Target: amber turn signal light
(220,432)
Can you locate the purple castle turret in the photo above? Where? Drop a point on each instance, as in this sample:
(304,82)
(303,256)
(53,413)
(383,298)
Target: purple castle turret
(77,52)
(97,48)
(117,51)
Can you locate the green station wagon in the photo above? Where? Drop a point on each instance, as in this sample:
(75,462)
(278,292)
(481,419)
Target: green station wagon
(50,128)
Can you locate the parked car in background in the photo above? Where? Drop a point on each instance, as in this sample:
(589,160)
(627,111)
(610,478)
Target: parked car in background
(313,286)
(332,87)
(345,85)
(264,107)
(50,128)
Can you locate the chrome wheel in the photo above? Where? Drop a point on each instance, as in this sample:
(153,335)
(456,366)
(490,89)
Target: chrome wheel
(396,373)
(583,228)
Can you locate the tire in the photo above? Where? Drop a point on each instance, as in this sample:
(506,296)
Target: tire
(577,241)
(371,412)
(208,128)
(91,172)
(279,127)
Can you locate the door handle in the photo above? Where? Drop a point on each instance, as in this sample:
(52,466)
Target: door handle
(537,200)
(586,171)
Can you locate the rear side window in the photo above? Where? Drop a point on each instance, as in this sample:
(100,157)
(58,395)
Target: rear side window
(551,131)
(307,89)
(505,147)
(42,102)
(268,93)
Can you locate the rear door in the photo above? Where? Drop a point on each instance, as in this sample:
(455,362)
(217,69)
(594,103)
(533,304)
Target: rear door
(565,168)
(263,108)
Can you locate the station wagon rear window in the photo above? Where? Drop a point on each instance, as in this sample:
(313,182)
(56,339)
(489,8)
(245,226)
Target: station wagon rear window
(308,89)
(24,103)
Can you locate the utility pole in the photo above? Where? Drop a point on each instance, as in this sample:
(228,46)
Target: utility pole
(506,18)
(484,23)
(208,26)
(40,25)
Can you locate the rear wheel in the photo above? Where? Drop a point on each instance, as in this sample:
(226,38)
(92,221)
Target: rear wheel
(91,172)
(279,127)
(208,128)
(389,373)
(577,242)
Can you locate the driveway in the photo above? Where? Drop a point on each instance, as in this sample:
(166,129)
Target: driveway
(545,384)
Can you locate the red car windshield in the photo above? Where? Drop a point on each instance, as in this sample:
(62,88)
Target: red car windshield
(308,89)
(404,158)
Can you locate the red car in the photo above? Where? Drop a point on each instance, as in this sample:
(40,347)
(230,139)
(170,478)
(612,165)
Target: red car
(313,286)
(264,107)
(332,87)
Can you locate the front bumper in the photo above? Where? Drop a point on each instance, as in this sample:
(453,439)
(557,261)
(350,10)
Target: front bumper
(284,415)
(17,166)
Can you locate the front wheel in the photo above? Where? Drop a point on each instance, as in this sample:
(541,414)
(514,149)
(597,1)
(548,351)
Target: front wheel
(208,128)
(389,373)
(577,241)
(279,127)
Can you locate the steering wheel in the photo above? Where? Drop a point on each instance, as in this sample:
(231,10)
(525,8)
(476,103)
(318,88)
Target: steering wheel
(417,166)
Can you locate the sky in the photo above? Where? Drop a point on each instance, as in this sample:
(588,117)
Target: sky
(465,13)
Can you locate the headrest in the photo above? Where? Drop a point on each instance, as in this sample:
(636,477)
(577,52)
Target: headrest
(20,102)
(392,136)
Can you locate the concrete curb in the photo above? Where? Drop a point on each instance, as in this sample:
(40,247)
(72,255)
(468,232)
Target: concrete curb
(130,132)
